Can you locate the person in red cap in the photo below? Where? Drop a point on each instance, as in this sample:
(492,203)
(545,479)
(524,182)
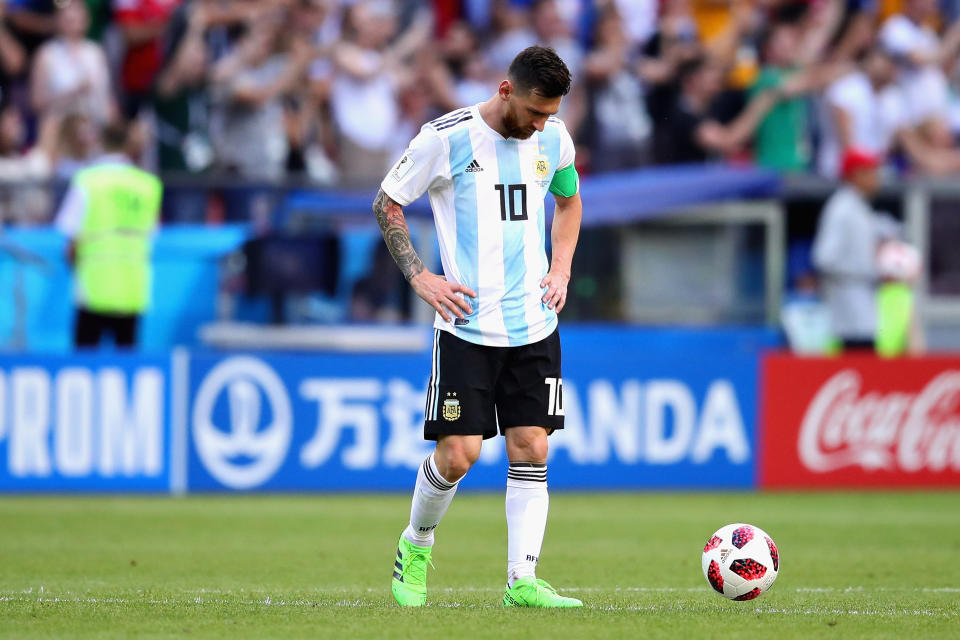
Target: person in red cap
(845,249)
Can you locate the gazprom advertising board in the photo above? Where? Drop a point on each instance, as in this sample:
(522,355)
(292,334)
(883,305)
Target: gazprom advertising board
(639,412)
(85,423)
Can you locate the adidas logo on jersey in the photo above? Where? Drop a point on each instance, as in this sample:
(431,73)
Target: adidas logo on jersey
(473,167)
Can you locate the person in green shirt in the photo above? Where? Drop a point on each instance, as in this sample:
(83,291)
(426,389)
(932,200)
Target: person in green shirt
(781,140)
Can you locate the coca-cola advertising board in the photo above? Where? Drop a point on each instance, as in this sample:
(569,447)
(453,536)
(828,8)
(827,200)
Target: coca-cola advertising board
(859,421)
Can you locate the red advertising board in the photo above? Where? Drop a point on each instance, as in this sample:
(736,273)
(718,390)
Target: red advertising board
(859,422)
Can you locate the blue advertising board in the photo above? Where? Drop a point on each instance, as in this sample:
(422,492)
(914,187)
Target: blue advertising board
(643,409)
(85,423)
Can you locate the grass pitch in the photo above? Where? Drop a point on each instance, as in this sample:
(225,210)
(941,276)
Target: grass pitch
(871,565)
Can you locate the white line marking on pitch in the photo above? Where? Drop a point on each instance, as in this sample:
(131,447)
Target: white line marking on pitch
(320,591)
(358,603)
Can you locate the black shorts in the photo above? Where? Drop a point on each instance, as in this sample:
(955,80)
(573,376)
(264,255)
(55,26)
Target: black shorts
(474,388)
(90,328)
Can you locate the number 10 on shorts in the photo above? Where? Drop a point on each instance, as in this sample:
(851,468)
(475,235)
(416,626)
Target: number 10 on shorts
(555,399)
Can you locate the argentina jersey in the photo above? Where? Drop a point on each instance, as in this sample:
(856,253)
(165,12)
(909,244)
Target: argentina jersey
(487,194)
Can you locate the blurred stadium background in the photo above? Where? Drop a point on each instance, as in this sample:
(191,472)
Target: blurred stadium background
(282,350)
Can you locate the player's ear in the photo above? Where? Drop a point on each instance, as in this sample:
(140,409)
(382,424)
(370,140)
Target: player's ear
(505,90)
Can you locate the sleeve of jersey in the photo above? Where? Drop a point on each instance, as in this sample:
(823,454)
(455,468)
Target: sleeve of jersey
(566,181)
(421,166)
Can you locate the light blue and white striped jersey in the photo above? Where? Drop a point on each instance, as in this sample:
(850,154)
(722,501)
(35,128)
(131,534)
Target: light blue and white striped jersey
(487,194)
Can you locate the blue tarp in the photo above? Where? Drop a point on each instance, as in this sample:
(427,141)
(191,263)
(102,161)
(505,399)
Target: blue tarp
(185,284)
(612,198)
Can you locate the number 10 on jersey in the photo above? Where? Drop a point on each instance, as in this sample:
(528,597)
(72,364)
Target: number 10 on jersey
(508,193)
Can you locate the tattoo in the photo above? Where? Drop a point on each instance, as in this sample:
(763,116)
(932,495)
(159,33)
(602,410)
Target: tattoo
(396,234)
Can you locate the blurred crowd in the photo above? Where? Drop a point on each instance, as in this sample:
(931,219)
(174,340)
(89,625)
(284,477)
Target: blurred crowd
(332,90)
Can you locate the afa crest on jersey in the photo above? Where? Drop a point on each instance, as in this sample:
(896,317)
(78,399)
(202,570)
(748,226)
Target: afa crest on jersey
(541,165)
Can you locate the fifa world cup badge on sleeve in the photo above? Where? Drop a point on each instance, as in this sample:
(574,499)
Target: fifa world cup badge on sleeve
(403,167)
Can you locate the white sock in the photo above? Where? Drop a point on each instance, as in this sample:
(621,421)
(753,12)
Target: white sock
(527,505)
(431,497)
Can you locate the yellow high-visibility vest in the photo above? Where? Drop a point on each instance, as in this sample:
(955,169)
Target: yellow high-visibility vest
(121,208)
(894,314)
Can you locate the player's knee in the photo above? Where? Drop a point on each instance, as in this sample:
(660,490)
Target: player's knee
(528,445)
(454,459)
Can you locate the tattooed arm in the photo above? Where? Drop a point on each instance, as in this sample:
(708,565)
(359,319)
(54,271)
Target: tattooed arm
(435,290)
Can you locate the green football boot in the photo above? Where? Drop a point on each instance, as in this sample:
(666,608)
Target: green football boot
(534,592)
(410,574)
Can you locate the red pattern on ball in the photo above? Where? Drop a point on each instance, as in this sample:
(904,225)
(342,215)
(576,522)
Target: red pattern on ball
(742,536)
(714,577)
(749,595)
(748,569)
(712,543)
(774,554)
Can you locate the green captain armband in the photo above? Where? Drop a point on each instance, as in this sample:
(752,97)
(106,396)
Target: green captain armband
(566,182)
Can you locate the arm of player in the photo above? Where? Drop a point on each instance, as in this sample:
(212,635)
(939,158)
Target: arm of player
(434,289)
(563,237)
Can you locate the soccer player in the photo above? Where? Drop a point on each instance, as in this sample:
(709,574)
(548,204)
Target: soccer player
(496,348)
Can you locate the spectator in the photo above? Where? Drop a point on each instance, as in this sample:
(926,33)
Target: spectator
(181,102)
(364,93)
(76,145)
(782,140)
(845,249)
(142,24)
(110,214)
(70,72)
(861,110)
(511,34)
(792,51)
(181,105)
(33,22)
(552,31)
(469,73)
(696,125)
(250,135)
(867,110)
(13,59)
(22,200)
(100,15)
(620,128)
(918,50)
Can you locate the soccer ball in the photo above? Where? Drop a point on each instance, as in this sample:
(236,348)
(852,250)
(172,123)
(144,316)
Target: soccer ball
(740,561)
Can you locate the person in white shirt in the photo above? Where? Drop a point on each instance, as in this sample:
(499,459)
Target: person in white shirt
(921,56)
(863,110)
(845,249)
(496,351)
(70,73)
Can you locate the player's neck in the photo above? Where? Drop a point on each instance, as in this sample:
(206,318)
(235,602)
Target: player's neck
(492,114)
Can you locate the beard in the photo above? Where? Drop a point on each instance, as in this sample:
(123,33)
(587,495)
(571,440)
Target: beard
(511,124)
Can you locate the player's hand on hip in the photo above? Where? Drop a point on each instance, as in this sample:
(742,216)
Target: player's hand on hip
(556,285)
(443,295)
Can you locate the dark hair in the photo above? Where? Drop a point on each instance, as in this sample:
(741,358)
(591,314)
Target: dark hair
(114,136)
(540,69)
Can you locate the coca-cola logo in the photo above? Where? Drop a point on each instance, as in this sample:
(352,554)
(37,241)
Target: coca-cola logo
(846,427)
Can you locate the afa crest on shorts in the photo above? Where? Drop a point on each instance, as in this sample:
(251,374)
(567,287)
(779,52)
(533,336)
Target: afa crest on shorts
(451,407)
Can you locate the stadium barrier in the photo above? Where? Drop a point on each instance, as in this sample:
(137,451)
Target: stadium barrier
(860,422)
(644,409)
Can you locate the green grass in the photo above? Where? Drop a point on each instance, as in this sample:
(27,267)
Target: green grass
(871,565)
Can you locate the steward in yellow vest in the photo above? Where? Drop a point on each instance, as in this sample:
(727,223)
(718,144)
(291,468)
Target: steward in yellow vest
(110,214)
